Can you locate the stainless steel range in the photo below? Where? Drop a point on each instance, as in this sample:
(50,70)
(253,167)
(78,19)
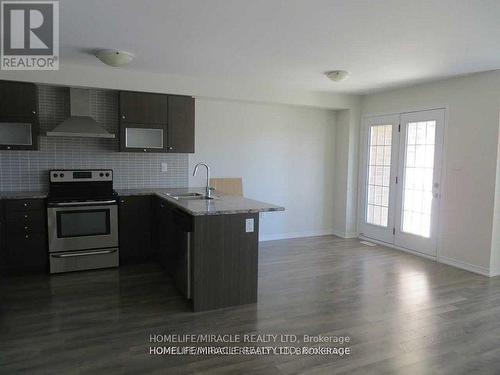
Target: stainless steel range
(82,217)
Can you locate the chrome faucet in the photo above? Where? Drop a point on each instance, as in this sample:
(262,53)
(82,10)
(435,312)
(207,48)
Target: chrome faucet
(208,189)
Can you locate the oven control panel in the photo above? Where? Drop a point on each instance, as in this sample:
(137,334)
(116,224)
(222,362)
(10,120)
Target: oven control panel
(82,175)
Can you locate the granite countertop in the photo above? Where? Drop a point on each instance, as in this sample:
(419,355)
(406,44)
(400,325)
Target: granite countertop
(221,205)
(23,194)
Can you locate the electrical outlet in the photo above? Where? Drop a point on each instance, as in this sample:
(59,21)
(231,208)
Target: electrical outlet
(249,225)
(164,167)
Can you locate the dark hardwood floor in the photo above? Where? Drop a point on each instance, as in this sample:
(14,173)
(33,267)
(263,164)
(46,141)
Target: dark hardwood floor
(404,314)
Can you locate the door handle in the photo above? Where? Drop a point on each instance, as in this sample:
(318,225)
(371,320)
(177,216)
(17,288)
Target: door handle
(188,265)
(81,254)
(62,204)
(435,190)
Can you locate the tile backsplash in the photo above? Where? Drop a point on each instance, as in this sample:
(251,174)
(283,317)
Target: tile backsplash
(28,170)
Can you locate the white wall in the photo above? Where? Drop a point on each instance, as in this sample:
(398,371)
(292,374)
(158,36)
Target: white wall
(495,241)
(470,160)
(341,173)
(346,172)
(285,155)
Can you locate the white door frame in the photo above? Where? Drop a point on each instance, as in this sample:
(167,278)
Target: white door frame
(363,134)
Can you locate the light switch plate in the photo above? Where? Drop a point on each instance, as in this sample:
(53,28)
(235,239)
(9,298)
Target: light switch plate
(164,167)
(249,225)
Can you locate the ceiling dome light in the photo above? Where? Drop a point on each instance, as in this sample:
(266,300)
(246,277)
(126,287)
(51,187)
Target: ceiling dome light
(338,75)
(114,57)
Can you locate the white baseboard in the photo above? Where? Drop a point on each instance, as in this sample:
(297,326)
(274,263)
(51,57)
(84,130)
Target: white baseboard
(441,259)
(344,234)
(392,246)
(465,266)
(494,273)
(284,236)
(484,271)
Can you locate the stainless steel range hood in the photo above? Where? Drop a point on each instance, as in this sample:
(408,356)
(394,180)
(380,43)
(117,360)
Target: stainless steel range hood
(79,124)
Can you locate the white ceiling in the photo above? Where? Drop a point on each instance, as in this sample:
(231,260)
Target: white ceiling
(290,43)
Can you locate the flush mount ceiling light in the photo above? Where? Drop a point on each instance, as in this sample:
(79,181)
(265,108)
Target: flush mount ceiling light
(114,57)
(337,75)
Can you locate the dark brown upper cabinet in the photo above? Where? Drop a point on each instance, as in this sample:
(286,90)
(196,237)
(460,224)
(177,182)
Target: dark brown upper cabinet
(143,122)
(17,99)
(156,122)
(142,107)
(18,116)
(180,124)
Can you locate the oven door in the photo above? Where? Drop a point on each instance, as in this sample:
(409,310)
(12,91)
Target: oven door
(82,227)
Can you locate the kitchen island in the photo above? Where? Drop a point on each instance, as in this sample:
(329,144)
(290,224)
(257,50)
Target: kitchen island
(208,246)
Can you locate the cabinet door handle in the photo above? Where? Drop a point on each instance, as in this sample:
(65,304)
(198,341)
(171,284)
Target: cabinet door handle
(25,204)
(25,216)
(170,148)
(34,112)
(123,117)
(144,150)
(27,236)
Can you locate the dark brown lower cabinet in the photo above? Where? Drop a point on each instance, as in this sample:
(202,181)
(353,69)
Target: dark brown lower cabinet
(24,236)
(174,231)
(224,261)
(161,232)
(26,251)
(3,255)
(135,229)
(211,259)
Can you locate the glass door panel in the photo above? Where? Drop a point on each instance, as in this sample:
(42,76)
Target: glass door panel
(418,192)
(144,138)
(379,172)
(379,161)
(15,133)
(418,176)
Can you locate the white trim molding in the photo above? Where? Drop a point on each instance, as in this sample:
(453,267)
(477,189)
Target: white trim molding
(494,273)
(346,235)
(392,246)
(284,236)
(484,271)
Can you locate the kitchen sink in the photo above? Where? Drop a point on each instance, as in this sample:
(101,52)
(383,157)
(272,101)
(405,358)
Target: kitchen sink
(187,196)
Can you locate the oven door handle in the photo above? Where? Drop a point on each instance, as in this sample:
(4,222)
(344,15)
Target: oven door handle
(81,254)
(62,204)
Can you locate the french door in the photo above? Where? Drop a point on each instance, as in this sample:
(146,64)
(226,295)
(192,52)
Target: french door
(401,178)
